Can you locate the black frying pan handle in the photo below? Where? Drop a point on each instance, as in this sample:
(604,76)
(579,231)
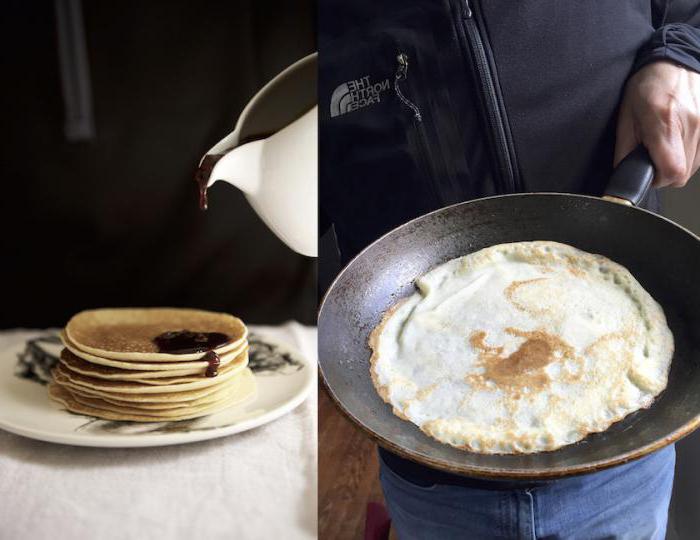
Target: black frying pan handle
(632,177)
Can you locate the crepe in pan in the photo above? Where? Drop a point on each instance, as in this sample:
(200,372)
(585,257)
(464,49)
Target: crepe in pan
(520,348)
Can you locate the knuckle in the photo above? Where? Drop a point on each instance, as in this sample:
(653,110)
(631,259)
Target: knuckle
(667,114)
(656,101)
(689,114)
(679,183)
(675,172)
(670,164)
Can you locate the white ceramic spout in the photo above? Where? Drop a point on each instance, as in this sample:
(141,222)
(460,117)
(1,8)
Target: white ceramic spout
(279,176)
(241,167)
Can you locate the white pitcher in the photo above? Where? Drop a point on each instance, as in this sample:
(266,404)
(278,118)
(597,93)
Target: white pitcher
(277,174)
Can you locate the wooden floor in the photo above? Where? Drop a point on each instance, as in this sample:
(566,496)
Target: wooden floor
(347,474)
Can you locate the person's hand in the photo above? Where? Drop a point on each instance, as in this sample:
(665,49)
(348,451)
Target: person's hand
(661,110)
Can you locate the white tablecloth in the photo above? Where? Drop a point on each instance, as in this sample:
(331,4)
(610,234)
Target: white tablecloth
(255,485)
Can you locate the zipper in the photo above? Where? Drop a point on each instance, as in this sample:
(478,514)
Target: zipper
(493,103)
(417,136)
(401,74)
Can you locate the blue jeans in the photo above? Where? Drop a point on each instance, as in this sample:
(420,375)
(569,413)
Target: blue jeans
(626,502)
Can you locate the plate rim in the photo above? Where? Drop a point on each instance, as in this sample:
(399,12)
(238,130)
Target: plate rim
(169,439)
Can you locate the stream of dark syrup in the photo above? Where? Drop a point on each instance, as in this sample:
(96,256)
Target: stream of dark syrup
(202,176)
(186,342)
(213,364)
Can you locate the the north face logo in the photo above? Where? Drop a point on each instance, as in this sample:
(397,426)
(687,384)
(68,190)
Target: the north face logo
(353,95)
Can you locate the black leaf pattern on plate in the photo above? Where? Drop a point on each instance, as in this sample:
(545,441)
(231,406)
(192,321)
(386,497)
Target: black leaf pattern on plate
(267,357)
(38,358)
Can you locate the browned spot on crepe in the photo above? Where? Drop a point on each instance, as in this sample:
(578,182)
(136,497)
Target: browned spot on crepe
(575,270)
(478,341)
(625,335)
(600,348)
(523,368)
(510,293)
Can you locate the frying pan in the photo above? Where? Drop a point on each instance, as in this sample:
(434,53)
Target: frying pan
(662,255)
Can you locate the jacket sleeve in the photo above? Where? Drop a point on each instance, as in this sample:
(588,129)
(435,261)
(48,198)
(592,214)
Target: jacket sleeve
(677,39)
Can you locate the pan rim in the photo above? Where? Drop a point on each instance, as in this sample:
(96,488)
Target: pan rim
(502,196)
(492,472)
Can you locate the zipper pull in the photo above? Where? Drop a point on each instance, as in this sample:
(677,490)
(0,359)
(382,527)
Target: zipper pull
(467,10)
(402,69)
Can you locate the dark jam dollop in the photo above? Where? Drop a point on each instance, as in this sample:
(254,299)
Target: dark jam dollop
(202,175)
(186,341)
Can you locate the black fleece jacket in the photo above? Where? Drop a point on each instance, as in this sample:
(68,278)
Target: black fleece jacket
(401,138)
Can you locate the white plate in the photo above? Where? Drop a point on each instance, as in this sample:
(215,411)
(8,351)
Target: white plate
(284,379)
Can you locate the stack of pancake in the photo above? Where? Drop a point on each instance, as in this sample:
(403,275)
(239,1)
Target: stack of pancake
(152,364)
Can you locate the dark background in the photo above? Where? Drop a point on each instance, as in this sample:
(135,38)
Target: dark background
(113,221)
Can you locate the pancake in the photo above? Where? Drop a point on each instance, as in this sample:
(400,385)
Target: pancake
(193,365)
(168,384)
(221,391)
(521,348)
(243,388)
(127,334)
(77,364)
(182,397)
